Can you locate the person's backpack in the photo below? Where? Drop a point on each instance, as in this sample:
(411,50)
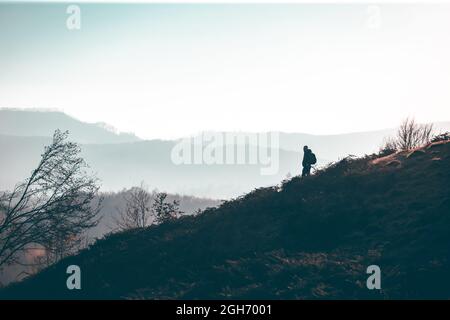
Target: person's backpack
(313,159)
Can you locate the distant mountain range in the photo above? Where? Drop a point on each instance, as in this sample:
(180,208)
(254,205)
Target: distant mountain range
(26,123)
(123,160)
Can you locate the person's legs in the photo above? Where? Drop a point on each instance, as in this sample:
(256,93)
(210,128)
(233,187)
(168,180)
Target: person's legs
(306,171)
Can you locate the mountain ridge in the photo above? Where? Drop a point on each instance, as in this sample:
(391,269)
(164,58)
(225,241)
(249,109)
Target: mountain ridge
(31,122)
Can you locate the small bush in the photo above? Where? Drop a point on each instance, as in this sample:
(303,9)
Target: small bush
(410,135)
(441,137)
(389,147)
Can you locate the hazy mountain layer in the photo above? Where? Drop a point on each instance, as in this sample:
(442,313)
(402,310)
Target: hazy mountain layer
(32,123)
(122,165)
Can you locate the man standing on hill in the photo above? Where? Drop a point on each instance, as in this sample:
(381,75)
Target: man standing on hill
(309,158)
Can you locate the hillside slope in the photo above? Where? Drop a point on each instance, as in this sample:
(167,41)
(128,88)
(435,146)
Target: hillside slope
(311,238)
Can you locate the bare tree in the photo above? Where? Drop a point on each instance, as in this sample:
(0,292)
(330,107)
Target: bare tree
(137,209)
(52,206)
(163,210)
(411,135)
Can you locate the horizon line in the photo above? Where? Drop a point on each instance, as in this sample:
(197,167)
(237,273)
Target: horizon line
(118,132)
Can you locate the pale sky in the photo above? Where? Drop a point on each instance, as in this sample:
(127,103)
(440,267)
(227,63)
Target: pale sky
(166,71)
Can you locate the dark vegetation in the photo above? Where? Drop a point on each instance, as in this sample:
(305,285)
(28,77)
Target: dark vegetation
(310,238)
(113,204)
(57,211)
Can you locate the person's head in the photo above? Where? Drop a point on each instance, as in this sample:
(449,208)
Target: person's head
(305,148)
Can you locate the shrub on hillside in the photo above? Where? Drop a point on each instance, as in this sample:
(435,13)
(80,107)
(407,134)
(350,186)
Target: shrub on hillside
(410,135)
(389,147)
(441,137)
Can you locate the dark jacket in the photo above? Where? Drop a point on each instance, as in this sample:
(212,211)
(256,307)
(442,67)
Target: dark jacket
(307,155)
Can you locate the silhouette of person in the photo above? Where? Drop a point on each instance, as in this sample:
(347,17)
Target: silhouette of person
(308,161)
